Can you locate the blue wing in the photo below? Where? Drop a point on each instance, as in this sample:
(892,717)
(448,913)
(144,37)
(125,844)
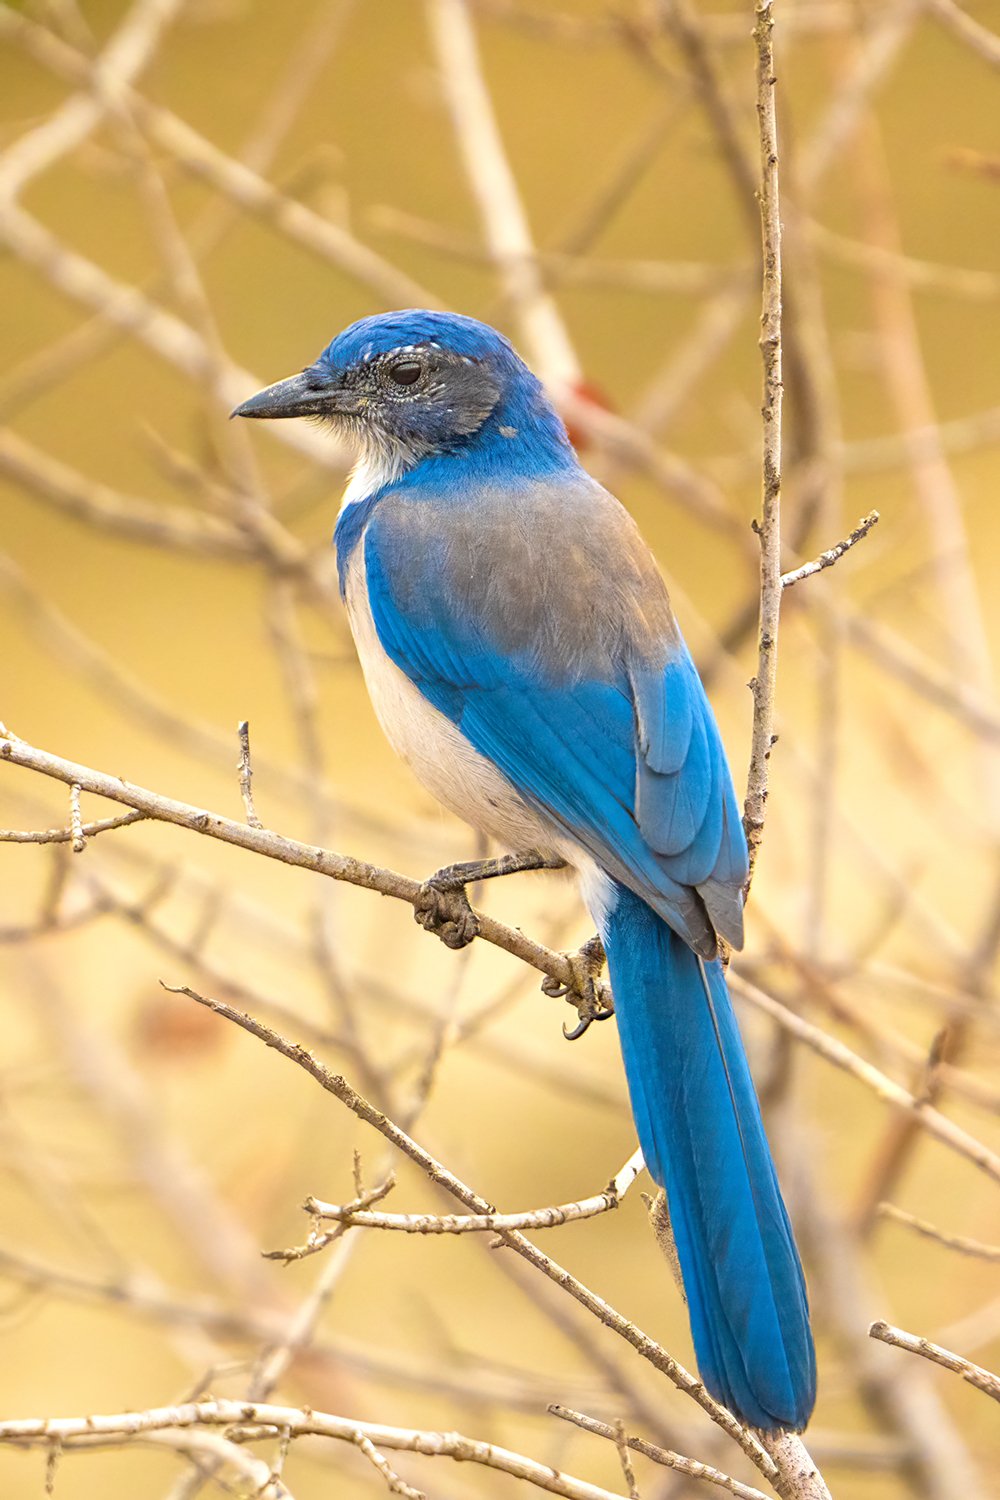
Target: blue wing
(626,758)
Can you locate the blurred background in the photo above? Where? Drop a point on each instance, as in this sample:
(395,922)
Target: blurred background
(194,198)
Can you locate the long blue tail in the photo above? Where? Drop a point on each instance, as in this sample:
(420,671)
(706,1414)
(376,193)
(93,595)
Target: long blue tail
(700,1129)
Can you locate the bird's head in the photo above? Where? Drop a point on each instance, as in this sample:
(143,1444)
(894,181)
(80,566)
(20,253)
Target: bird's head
(405,385)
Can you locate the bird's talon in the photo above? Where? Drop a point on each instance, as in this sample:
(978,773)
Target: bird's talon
(582,989)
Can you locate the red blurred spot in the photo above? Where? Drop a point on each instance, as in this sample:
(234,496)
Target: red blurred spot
(175,1029)
(591,395)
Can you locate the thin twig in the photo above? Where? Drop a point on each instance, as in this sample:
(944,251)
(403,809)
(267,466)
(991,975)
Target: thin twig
(77,836)
(68,835)
(832,555)
(965,1246)
(395,1485)
(537,1218)
(930,1119)
(300,1422)
(689,1466)
(769,527)
(983,1380)
(246,774)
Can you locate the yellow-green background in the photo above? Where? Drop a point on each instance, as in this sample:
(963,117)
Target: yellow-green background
(513,1110)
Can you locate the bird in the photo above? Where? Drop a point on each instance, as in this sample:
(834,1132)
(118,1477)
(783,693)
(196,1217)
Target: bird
(522,656)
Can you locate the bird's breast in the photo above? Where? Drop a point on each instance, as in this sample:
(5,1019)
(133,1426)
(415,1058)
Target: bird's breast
(437,752)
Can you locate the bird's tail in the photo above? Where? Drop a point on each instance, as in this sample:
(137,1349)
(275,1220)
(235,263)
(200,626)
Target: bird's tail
(700,1129)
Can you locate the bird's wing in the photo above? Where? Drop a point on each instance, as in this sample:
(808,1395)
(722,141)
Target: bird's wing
(550,674)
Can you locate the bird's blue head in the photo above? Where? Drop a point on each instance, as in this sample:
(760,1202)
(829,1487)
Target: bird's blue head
(410,386)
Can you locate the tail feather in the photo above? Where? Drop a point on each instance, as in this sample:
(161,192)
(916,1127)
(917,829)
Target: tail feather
(700,1129)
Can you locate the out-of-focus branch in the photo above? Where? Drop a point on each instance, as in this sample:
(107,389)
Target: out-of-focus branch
(923,1114)
(965,1246)
(235,180)
(983,1380)
(128,53)
(985,43)
(498,197)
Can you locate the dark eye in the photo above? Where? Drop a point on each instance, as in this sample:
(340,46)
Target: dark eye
(405,372)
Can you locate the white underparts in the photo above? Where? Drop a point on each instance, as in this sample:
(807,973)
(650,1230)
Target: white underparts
(437,752)
(445,762)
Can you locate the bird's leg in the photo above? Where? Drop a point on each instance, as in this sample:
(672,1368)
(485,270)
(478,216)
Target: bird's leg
(442,905)
(582,991)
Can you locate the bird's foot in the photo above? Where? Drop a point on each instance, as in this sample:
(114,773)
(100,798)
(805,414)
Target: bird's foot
(583,991)
(442,907)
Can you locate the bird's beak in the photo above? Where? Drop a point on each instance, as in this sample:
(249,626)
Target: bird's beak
(305,395)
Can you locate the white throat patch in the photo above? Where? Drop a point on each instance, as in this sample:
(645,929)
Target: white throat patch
(369,474)
(379,464)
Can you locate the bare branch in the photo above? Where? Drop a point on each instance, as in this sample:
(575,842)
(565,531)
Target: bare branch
(983,1380)
(769,527)
(689,1466)
(67,835)
(273,846)
(832,555)
(338,1086)
(501,209)
(43,1431)
(929,1119)
(536,1218)
(959,1242)
(246,775)
(985,43)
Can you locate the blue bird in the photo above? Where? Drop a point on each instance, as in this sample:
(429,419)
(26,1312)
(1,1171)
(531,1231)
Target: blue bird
(522,657)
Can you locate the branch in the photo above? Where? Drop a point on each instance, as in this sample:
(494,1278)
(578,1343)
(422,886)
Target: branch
(983,1380)
(272,846)
(985,43)
(536,1218)
(337,1085)
(841,1056)
(501,209)
(769,527)
(67,835)
(833,554)
(65,1431)
(236,181)
(670,1460)
(959,1242)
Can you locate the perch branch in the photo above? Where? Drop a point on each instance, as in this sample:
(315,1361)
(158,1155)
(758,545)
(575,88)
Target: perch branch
(769,527)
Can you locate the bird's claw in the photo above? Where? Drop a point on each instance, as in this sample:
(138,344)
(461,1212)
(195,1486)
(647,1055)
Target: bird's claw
(444,910)
(582,991)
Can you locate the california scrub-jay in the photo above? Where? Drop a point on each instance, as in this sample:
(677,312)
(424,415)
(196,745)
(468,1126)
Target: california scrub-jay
(523,658)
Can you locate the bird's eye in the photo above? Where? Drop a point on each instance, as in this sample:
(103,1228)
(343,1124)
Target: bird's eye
(405,372)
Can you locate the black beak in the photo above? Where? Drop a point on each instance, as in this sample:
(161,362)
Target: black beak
(305,395)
